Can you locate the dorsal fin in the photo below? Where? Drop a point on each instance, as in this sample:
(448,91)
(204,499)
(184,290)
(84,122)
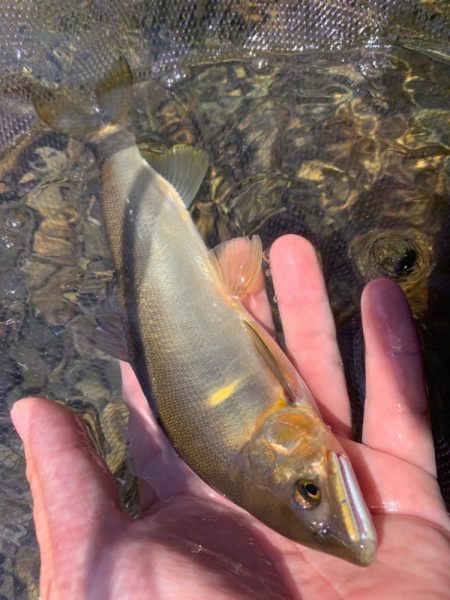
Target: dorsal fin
(183,166)
(237,263)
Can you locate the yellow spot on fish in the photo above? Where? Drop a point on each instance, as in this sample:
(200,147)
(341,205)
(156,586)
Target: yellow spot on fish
(224,392)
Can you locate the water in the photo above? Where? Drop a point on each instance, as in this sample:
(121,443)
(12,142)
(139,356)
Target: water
(350,149)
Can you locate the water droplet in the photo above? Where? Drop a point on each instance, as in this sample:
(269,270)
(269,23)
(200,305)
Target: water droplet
(268,272)
(389,506)
(262,65)
(197,548)
(275,299)
(323,531)
(400,406)
(178,75)
(15,219)
(8,241)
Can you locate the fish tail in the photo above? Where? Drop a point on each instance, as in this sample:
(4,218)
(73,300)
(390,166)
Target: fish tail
(83,113)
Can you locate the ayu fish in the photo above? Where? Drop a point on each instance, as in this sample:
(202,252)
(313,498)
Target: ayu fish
(232,404)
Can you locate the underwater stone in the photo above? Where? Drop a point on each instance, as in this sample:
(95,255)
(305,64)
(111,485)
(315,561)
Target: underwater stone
(38,336)
(37,272)
(91,382)
(10,375)
(57,249)
(35,371)
(47,200)
(12,301)
(49,301)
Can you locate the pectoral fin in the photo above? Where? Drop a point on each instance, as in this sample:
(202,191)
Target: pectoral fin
(183,166)
(280,365)
(237,264)
(103,331)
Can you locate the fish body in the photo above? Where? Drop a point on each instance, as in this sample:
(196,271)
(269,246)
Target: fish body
(189,339)
(230,401)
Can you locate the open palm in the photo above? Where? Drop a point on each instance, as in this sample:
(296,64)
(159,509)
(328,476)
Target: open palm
(191,543)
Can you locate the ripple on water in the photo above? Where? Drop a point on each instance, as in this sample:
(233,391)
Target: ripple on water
(403,256)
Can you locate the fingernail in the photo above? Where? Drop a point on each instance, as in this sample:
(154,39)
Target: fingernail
(19,419)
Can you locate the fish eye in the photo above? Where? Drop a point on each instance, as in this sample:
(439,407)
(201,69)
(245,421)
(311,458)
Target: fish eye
(306,493)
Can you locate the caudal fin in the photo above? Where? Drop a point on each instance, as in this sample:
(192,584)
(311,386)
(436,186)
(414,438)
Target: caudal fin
(80,112)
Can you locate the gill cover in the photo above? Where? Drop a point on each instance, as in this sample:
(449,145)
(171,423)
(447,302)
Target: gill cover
(297,479)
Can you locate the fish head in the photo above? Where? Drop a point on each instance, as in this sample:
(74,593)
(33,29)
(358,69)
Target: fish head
(299,481)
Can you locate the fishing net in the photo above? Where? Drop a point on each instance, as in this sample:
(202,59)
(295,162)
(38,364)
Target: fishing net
(328,118)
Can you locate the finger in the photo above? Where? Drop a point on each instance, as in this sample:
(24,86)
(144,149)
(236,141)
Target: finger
(309,329)
(162,474)
(390,485)
(257,303)
(396,415)
(75,500)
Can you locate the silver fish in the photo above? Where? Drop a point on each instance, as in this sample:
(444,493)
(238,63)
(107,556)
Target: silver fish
(230,401)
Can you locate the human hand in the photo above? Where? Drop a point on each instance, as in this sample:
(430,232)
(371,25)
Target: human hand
(190,542)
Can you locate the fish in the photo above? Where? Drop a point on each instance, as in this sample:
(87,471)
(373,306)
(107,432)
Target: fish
(231,402)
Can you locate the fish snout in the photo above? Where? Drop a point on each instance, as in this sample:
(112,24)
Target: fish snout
(357,536)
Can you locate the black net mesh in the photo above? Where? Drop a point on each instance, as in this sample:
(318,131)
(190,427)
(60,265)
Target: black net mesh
(328,118)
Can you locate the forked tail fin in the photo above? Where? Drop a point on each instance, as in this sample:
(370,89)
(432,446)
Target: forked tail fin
(80,112)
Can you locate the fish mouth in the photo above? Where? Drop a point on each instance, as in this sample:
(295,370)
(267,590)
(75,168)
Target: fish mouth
(361,539)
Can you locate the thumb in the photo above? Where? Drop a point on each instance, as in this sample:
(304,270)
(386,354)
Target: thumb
(75,500)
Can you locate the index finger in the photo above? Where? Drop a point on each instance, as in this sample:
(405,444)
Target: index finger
(309,329)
